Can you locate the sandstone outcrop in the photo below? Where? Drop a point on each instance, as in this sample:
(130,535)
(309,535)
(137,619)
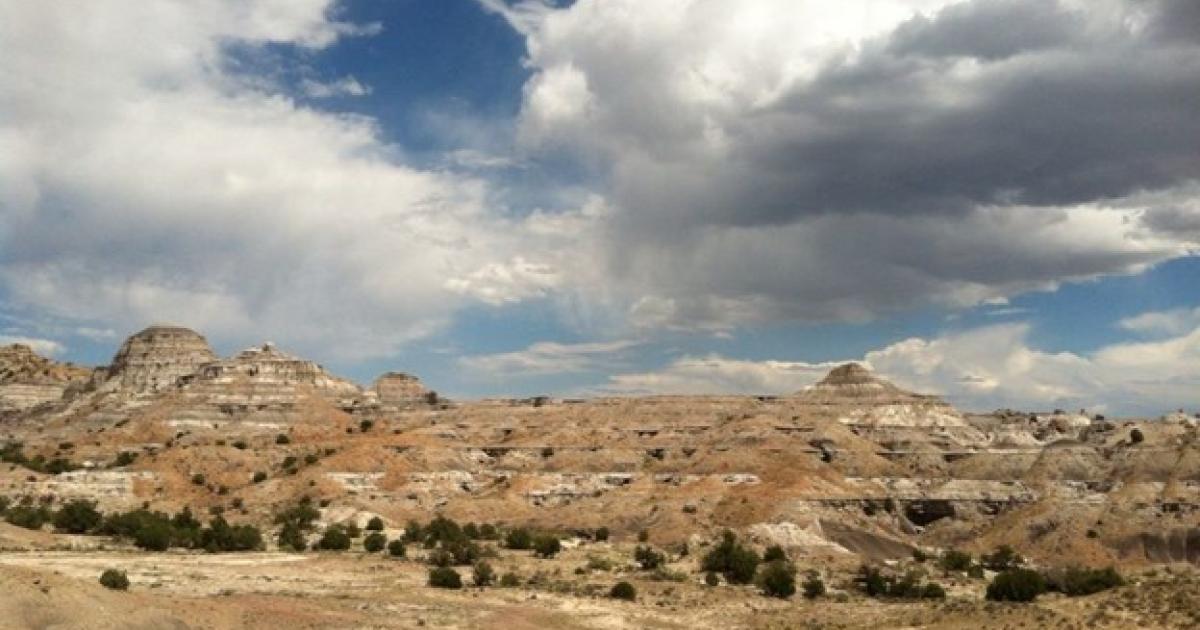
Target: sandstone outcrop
(28,379)
(156,358)
(859,397)
(399,390)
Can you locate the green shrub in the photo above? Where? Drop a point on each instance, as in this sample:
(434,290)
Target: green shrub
(778,579)
(487,531)
(220,536)
(955,560)
(115,580)
(919,556)
(124,458)
(375,524)
(483,574)
(774,553)
(601,534)
(737,563)
(365,425)
(27,516)
(813,586)
(1016,585)
(291,537)
(396,549)
(374,542)
(282,438)
(648,558)
(711,579)
(933,590)
(1136,436)
(643,536)
(510,580)
(153,535)
(444,577)
(1077,581)
(259,477)
(519,539)
(471,531)
(4,503)
(240,445)
(440,558)
(311,459)
(288,463)
(334,539)
(302,515)
(1002,559)
(623,590)
(78,517)
(546,546)
(197,479)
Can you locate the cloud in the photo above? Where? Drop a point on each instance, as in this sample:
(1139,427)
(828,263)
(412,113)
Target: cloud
(979,369)
(41,346)
(803,162)
(549,358)
(1163,323)
(146,176)
(345,86)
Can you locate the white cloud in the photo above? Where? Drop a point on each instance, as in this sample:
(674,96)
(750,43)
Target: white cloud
(549,358)
(345,86)
(1173,322)
(142,179)
(46,347)
(979,369)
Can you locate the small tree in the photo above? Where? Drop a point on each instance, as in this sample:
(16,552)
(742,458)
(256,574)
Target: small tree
(292,537)
(335,538)
(814,587)
(78,517)
(546,546)
(601,534)
(955,560)
(396,549)
(648,558)
(1136,436)
(778,579)
(519,539)
(483,574)
(444,577)
(774,553)
(115,580)
(736,562)
(624,591)
(374,542)
(1016,585)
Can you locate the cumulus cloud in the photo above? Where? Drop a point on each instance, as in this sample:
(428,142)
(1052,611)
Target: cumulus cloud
(978,369)
(813,162)
(1163,323)
(345,86)
(145,176)
(549,358)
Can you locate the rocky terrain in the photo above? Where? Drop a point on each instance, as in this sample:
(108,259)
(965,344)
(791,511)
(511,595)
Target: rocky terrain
(850,470)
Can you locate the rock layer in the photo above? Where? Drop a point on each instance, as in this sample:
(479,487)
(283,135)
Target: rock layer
(156,358)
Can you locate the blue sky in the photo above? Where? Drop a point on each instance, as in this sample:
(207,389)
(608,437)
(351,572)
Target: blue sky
(515,198)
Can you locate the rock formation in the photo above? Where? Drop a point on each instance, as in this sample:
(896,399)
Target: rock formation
(28,380)
(862,398)
(399,390)
(156,358)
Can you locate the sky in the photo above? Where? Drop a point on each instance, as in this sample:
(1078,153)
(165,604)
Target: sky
(997,201)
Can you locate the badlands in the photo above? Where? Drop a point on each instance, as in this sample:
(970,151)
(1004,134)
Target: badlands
(848,477)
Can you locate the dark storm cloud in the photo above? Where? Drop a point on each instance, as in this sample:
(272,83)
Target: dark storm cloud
(988,30)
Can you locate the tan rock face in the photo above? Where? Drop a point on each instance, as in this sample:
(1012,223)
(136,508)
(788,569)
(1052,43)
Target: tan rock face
(862,398)
(156,358)
(28,379)
(396,389)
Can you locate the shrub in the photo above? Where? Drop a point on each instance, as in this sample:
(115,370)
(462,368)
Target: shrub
(288,463)
(78,517)
(241,445)
(1016,585)
(644,536)
(919,556)
(774,553)
(623,590)
(220,536)
(1136,436)
(302,515)
(334,539)
(365,425)
(259,477)
(153,535)
(396,549)
(596,563)
(4,503)
(711,579)
(27,516)
(124,458)
(737,563)
(813,586)
(519,539)
(510,580)
(1077,581)
(440,558)
(648,558)
(291,537)
(311,459)
(546,546)
(483,574)
(471,531)
(282,438)
(412,532)
(197,479)
(487,531)
(444,577)
(872,581)
(601,534)
(955,560)
(463,552)
(115,580)
(1002,559)
(778,579)
(353,530)
(374,542)
(933,590)
(375,524)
